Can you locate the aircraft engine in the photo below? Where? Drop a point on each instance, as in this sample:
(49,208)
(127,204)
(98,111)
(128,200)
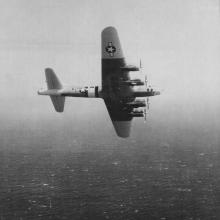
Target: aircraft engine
(137,103)
(137,113)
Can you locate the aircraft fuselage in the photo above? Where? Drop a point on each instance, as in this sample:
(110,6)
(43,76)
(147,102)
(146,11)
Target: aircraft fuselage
(96,92)
(86,92)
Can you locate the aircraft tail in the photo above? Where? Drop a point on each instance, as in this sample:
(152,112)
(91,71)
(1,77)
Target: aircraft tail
(58,102)
(53,82)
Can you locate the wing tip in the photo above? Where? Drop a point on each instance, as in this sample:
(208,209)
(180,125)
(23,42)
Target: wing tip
(111,46)
(109,28)
(122,128)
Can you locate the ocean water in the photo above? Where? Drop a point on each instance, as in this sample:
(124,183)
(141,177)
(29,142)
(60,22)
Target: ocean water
(146,182)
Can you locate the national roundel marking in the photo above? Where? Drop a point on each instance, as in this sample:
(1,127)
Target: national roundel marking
(110,49)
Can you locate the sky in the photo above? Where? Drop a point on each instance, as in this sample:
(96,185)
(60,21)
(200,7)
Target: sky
(177,42)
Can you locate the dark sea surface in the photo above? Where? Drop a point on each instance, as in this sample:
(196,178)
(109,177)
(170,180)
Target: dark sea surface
(95,182)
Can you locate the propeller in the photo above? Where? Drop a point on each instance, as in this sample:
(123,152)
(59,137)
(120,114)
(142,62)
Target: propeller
(140,66)
(145,115)
(145,80)
(148,103)
(146,109)
(145,76)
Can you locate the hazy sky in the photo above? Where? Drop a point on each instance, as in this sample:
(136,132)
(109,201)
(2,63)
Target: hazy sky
(177,40)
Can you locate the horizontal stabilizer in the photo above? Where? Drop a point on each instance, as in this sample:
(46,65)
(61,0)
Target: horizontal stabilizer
(52,80)
(58,102)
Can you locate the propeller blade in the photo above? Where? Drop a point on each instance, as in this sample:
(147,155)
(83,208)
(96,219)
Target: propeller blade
(145,80)
(148,103)
(140,67)
(145,115)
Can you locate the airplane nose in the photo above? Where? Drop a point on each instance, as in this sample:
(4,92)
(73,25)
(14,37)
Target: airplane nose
(157,93)
(39,92)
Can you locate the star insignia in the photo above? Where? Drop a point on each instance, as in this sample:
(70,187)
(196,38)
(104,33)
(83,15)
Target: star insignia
(110,49)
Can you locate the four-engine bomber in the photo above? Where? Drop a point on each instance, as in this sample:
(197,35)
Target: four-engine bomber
(120,93)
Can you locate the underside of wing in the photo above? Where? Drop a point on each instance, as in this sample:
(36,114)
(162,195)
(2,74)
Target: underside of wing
(113,77)
(120,117)
(112,62)
(122,128)
(111,46)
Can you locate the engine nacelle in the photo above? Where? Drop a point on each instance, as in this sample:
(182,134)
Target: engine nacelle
(137,113)
(129,68)
(144,93)
(137,103)
(134,82)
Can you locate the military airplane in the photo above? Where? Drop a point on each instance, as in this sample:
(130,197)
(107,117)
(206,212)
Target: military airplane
(120,92)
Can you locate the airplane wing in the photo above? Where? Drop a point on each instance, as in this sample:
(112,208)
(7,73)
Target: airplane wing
(120,118)
(115,93)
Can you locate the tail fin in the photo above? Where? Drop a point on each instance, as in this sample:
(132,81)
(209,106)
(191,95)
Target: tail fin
(54,83)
